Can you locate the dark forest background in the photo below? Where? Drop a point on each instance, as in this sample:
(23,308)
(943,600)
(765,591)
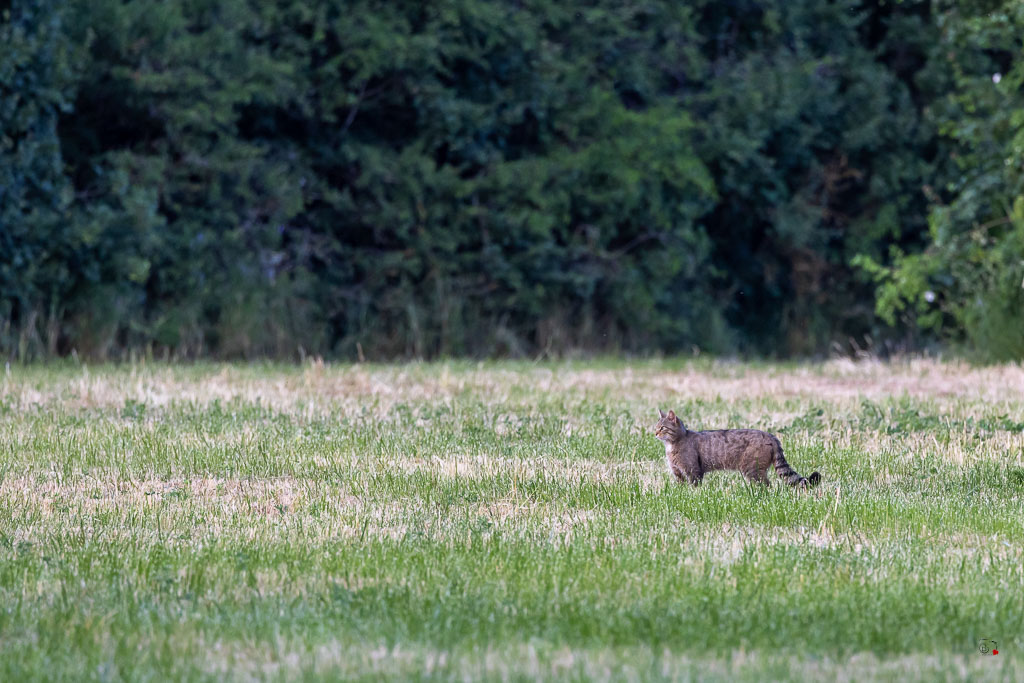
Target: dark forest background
(240,178)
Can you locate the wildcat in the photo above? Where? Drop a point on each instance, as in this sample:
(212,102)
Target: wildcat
(750,451)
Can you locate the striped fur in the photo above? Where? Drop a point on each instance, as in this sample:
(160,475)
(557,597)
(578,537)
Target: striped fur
(787,473)
(690,455)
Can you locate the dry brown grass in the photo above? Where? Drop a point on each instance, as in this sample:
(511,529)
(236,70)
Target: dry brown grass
(321,389)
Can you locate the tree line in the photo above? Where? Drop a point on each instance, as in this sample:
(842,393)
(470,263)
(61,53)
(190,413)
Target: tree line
(233,178)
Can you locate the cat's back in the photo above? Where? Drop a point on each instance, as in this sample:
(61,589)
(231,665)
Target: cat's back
(732,440)
(735,435)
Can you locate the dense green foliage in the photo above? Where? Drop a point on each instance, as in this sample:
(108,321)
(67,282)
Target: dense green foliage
(970,279)
(478,177)
(36,84)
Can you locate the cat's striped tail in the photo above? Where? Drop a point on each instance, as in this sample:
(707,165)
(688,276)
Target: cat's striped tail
(787,473)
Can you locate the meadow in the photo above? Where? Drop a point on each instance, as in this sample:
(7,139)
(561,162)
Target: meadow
(507,521)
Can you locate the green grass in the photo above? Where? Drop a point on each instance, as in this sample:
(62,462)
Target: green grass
(506,521)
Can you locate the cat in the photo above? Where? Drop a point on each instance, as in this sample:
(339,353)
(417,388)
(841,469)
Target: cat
(750,451)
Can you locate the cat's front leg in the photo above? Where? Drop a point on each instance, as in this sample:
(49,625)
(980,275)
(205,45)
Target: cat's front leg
(694,466)
(686,467)
(694,476)
(684,476)
(688,472)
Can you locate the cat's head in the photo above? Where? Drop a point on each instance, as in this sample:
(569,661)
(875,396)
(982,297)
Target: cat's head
(669,427)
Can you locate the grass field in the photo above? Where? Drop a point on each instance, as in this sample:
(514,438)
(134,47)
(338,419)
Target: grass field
(507,521)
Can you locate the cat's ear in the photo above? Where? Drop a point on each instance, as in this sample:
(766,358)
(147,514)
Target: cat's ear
(661,412)
(672,415)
